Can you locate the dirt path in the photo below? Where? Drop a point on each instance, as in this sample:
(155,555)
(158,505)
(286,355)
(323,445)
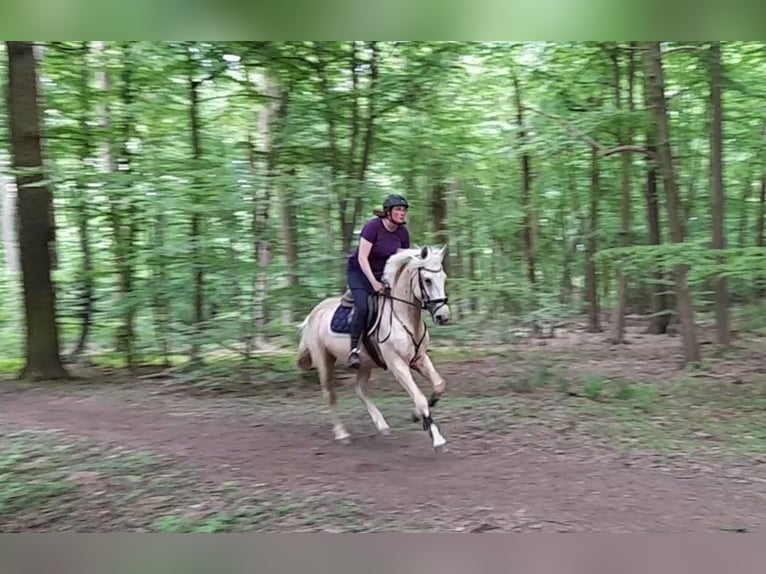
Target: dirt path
(526,477)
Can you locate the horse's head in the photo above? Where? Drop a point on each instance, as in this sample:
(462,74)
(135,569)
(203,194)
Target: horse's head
(430,288)
(419,273)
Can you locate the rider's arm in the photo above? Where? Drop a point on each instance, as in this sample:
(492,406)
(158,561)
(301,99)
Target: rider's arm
(364,251)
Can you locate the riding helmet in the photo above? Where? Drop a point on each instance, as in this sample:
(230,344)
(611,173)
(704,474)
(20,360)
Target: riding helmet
(395,200)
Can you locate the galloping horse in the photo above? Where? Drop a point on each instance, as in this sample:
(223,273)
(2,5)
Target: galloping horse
(396,334)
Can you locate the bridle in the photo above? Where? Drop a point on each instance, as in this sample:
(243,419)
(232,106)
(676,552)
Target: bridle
(425,303)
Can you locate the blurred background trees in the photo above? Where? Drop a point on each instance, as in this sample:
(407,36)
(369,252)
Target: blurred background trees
(206,195)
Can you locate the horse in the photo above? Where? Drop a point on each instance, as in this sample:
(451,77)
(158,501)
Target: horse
(396,337)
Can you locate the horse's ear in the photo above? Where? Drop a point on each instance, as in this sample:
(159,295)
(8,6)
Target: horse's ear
(424,252)
(442,249)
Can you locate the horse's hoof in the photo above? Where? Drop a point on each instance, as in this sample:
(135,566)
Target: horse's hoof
(385,431)
(345,440)
(439,449)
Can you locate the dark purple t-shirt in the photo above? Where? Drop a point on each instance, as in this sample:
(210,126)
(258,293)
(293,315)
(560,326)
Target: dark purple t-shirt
(384,244)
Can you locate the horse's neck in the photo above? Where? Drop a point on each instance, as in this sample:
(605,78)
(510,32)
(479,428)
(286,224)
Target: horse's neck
(409,314)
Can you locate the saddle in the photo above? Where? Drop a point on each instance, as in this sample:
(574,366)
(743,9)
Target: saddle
(347,300)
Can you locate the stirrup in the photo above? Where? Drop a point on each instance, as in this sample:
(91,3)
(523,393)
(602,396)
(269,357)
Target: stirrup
(353,358)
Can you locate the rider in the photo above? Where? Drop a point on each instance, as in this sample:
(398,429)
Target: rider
(381,237)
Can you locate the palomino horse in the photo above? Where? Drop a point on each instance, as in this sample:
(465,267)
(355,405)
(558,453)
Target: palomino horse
(416,281)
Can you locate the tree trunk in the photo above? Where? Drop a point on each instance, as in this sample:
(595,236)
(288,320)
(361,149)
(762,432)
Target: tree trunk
(35,208)
(473,266)
(658,291)
(290,241)
(196,232)
(528,225)
(656,82)
(591,278)
(660,301)
(82,205)
(718,204)
(747,192)
(123,217)
(567,294)
(457,265)
(439,217)
(568,204)
(161,298)
(269,118)
(625,139)
(121,243)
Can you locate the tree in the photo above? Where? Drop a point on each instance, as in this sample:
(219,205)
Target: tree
(207,195)
(36,227)
(718,204)
(625,137)
(656,85)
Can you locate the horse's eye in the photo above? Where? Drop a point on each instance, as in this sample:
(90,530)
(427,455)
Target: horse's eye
(428,282)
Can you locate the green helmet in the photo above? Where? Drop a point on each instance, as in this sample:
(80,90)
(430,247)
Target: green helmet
(395,200)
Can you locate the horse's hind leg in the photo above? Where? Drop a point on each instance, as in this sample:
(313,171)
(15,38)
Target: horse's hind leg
(325,369)
(362,388)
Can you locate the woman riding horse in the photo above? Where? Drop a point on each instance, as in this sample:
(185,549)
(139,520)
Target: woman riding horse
(381,237)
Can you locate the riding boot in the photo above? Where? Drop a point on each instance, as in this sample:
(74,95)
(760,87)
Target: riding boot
(354,361)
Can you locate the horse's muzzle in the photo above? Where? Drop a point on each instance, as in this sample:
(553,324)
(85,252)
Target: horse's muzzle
(439,311)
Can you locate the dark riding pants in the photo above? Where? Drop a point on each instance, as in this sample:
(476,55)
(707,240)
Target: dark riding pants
(360,289)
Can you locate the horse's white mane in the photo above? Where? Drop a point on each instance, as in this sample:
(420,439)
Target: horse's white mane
(412,258)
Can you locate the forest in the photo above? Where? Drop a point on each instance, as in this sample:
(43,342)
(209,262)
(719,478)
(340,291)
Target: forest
(171,211)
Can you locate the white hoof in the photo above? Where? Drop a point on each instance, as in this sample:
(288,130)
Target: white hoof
(438,438)
(385,431)
(342,436)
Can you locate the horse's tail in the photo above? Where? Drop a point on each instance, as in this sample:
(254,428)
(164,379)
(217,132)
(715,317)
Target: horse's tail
(304,355)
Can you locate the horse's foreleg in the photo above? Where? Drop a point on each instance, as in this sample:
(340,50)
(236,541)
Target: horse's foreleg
(425,367)
(362,388)
(327,378)
(401,371)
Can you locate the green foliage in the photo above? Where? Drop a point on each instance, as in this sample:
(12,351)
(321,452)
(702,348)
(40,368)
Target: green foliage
(441,114)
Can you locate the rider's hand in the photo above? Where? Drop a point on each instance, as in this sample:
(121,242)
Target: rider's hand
(378,287)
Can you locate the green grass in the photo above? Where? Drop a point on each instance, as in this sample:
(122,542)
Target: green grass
(690,416)
(29,481)
(310,514)
(49,481)
(11,367)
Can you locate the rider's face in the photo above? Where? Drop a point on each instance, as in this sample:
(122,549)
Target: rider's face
(398,214)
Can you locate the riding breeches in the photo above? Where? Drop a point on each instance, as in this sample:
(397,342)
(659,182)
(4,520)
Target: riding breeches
(361,290)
